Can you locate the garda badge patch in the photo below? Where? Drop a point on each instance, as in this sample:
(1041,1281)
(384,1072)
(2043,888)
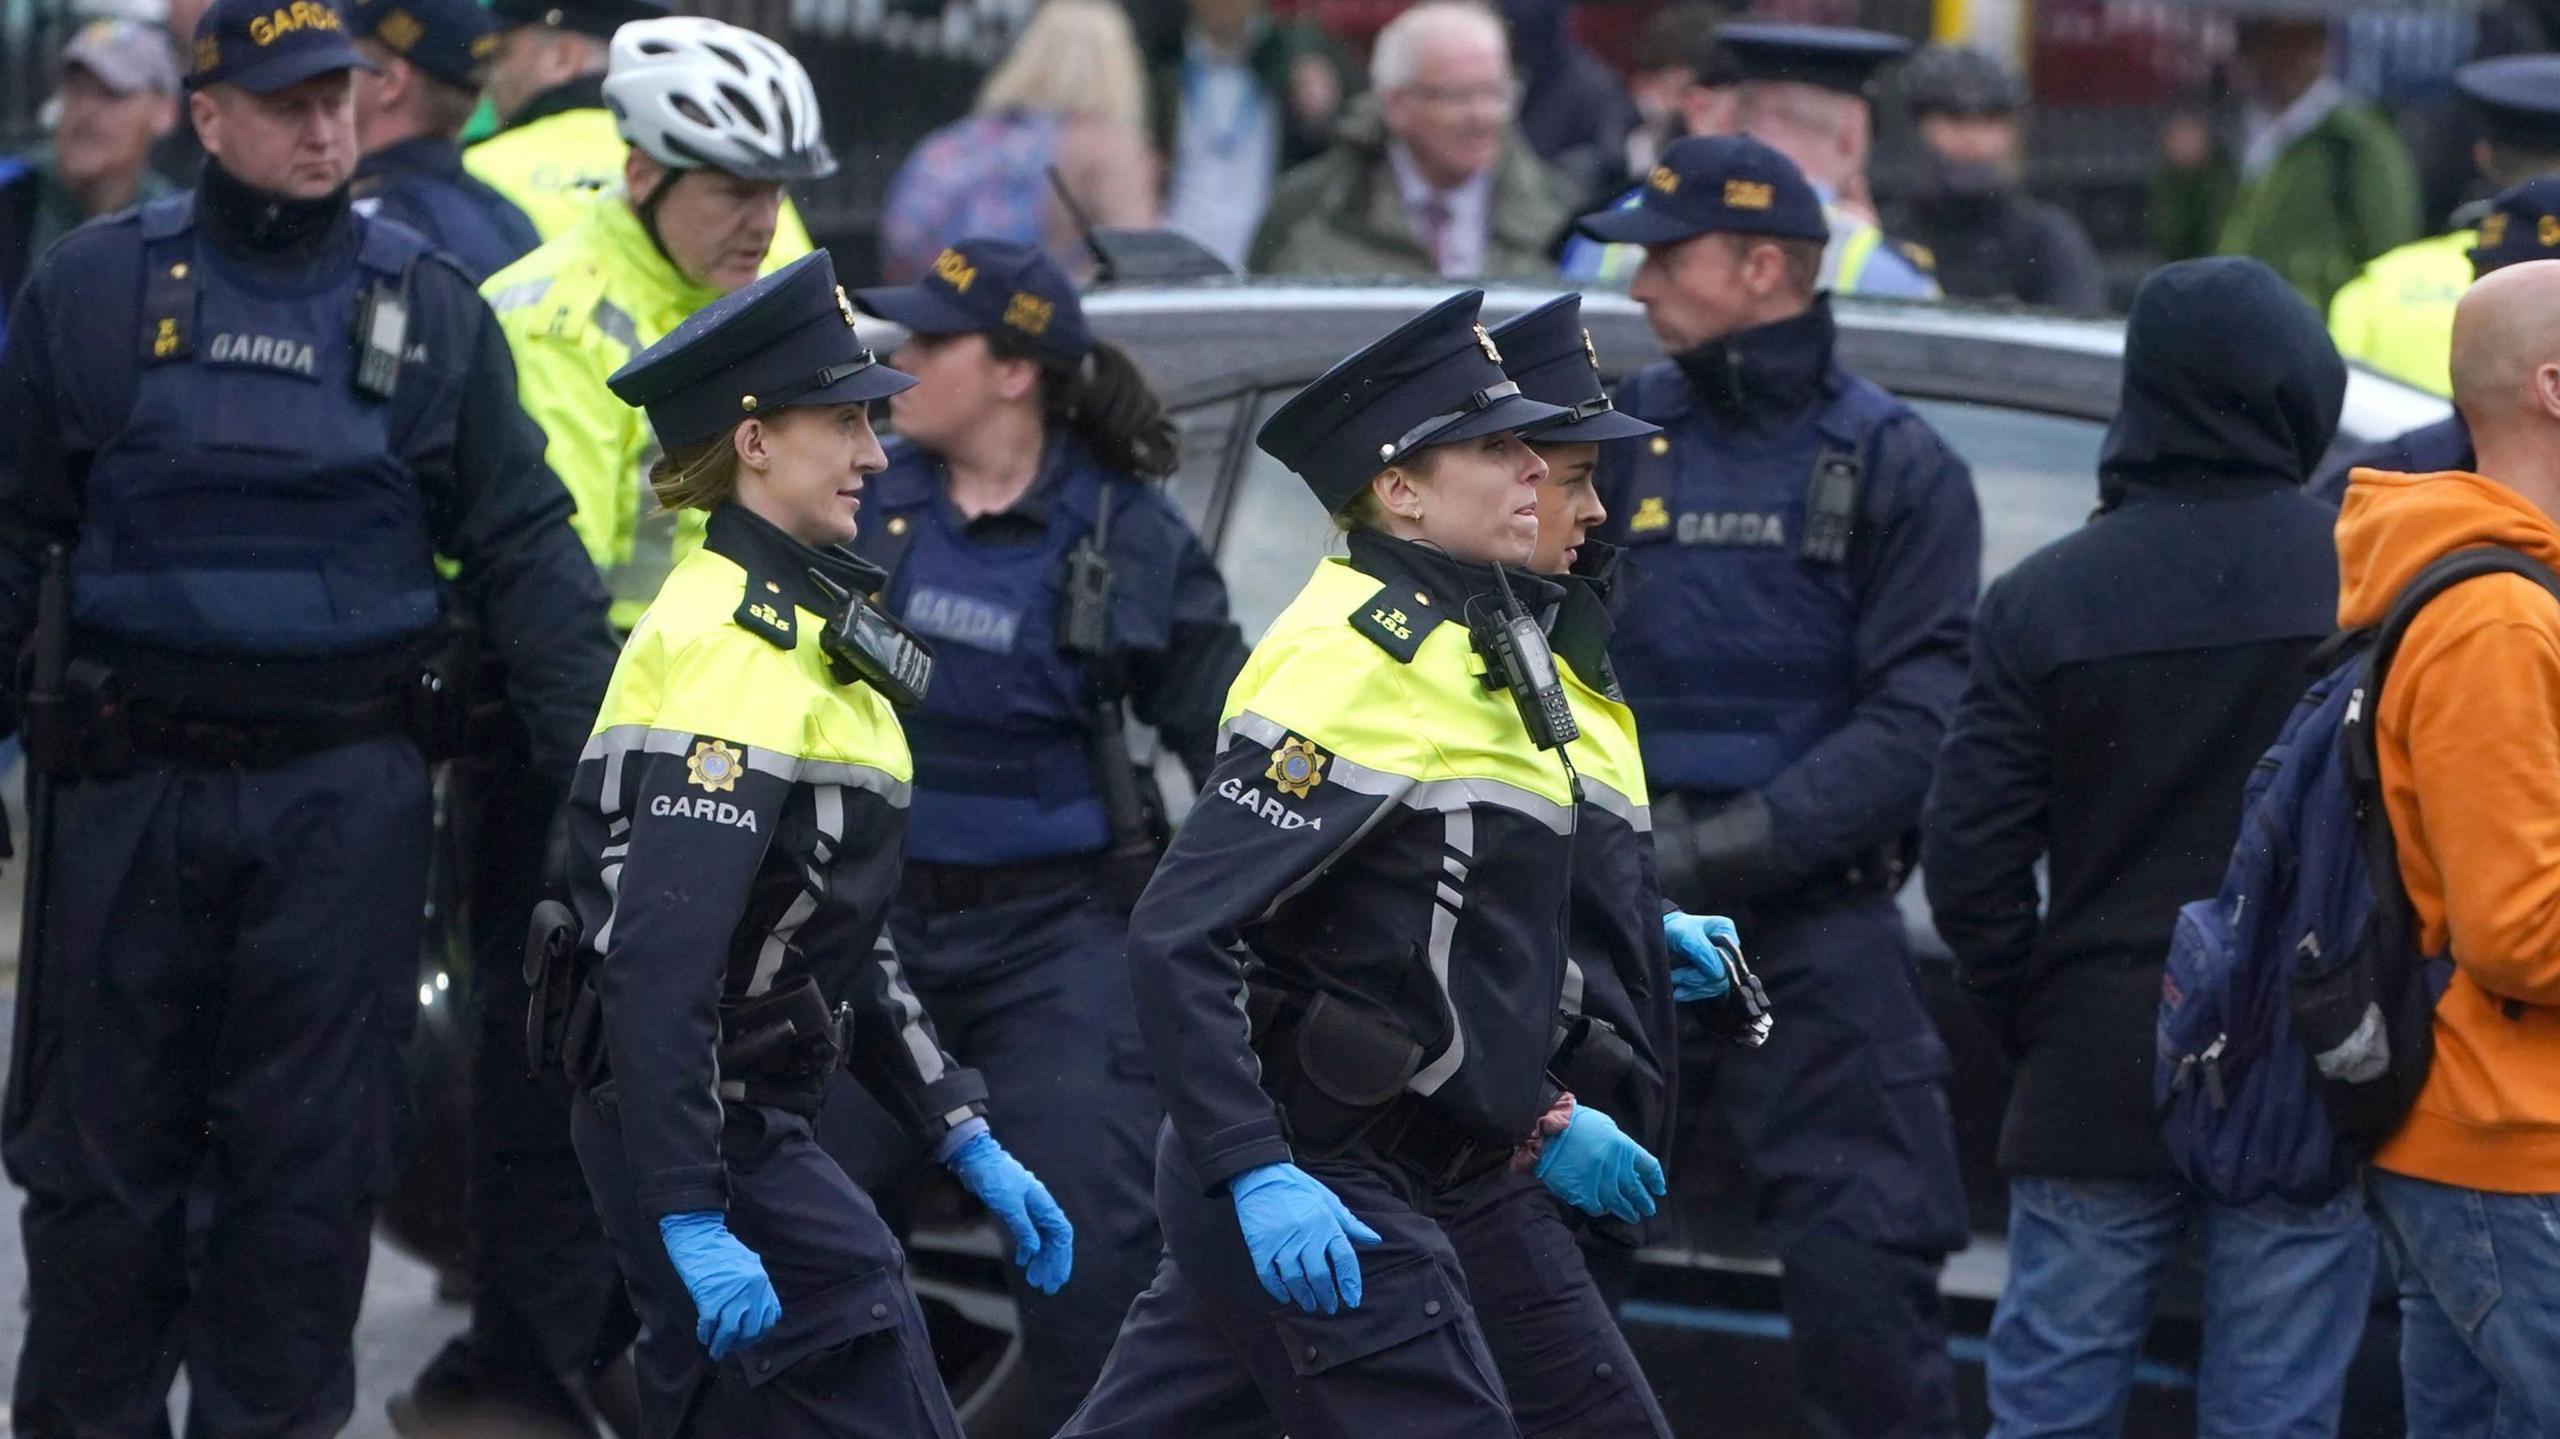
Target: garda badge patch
(714,766)
(1297,767)
(1651,514)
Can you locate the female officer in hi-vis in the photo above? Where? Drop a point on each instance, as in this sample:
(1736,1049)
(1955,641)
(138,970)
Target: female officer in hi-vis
(1349,965)
(736,822)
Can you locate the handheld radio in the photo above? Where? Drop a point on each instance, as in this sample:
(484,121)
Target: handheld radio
(1519,659)
(862,644)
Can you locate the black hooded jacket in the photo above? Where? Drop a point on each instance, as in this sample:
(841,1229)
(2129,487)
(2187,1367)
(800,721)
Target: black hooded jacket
(2124,680)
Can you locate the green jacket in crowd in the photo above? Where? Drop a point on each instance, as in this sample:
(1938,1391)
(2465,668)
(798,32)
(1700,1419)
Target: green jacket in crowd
(2337,197)
(1340,213)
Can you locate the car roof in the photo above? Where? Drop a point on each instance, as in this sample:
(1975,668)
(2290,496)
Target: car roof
(1290,329)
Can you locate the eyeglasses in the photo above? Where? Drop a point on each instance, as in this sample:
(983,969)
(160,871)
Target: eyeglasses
(1501,95)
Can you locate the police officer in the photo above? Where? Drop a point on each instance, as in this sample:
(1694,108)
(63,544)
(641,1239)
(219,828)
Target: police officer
(427,56)
(2397,316)
(560,149)
(544,1313)
(736,820)
(1809,549)
(1023,536)
(1803,89)
(251,418)
(718,120)
(556,148)
(2521,224)
(1347,967)
(1988,238)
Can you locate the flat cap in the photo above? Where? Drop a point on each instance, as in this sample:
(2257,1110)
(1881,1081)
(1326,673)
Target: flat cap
(1549,355)
(788,339)
(1435,379)
(980,287)
(264,46)
(1729,183)
(1833,57)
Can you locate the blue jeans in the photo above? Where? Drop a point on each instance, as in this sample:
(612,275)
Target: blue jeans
(2286,1291)
(2479,1306)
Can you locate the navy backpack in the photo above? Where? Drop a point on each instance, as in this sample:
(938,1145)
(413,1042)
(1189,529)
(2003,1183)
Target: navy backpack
(2296,1015)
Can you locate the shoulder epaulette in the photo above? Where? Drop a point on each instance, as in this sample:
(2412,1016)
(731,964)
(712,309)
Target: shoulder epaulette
(766,612)
(1397,623)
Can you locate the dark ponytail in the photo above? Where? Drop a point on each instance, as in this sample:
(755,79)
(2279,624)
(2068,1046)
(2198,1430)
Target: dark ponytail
(1105,401)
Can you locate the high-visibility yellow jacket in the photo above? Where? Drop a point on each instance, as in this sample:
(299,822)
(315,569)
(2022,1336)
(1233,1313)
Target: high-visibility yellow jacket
(555,167)
(574,311)
(2397,316)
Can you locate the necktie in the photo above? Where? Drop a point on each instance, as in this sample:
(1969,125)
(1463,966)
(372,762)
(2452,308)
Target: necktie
(1431,226)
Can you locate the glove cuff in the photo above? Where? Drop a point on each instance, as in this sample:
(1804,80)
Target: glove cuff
(1530,1156)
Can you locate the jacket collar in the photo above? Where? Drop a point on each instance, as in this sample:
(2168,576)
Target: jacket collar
(1373,204)
(915,478)
(1454,587)
(645,282)
(584,93)
(1767,375)
(418,155)
(1585,619)
(775,560)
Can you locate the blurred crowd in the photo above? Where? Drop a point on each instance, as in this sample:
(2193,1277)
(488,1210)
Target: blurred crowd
(1458,140)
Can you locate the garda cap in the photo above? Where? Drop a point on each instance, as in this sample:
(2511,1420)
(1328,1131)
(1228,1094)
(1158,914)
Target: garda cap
(2523,224)
(2516,99)
(1549,355)
(1435,379)
(1729,183)
(1832,57)
(264,46)
(788,339)
(983,287)
(449,39)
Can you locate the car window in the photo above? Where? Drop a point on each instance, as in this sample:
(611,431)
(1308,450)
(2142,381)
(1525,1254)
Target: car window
(2036,474)
(1273,535)
(1201,432)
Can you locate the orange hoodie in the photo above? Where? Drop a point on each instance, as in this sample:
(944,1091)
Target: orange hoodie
(2469,728)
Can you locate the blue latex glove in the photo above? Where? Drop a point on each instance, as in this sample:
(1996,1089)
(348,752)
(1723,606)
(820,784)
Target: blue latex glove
(733,1301)
(1300,1235)
(1044,1243)
(1597,1169)
(1698,968)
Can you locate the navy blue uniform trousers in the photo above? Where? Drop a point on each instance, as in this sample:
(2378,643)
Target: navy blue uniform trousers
(1477,1317)
(1032,991)
(1841,1119)
(228,972)
(547,1303)
(850,1357)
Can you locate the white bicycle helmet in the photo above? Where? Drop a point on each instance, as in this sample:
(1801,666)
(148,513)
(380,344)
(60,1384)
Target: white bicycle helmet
(696,93)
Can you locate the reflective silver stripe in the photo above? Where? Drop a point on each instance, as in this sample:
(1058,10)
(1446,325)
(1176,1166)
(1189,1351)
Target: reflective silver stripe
(617,324)
(920,1046)
(612,743)
(612,878)
(1638,816)
(1572,987)
(828,804)
(516,297)
(1443,795)
(1460,837)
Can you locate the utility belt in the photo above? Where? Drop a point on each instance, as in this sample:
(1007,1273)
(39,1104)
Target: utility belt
(1590,1057)
(100,730)
(1339,1076)
(937,887)
(776,1049)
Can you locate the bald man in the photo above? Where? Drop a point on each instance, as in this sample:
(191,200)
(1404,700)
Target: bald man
(2468,726)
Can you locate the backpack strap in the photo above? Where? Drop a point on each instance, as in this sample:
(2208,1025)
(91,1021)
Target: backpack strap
(2359,730)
